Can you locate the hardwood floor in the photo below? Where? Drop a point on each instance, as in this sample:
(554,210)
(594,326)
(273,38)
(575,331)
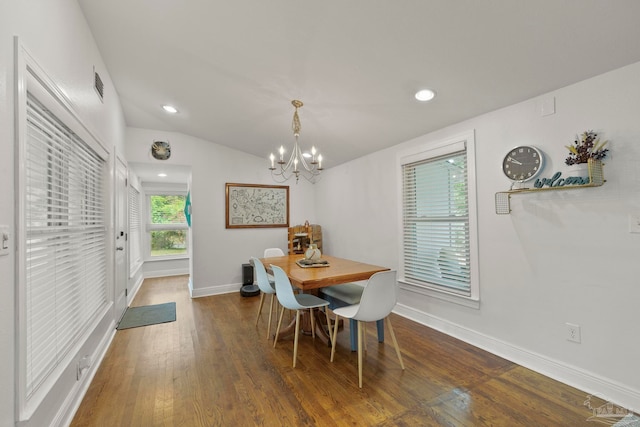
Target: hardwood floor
(213,367)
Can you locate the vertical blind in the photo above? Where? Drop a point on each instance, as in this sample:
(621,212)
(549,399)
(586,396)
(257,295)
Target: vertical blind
(436,223)
(65,260)
(135,229)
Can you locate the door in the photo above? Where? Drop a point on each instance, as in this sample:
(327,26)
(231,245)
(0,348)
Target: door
(120,274)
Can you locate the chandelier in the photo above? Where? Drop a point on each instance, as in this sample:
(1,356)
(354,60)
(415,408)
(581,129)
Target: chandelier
(297,164)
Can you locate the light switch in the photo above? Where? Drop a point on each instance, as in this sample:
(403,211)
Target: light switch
(634,223)
(5,240)
(548,106)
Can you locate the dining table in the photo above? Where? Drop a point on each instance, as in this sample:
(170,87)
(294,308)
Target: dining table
(310,279)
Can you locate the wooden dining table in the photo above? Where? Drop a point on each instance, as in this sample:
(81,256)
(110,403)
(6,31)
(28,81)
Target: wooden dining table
(310,279)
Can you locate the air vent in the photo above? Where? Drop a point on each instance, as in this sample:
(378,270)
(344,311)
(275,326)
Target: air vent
(98,85)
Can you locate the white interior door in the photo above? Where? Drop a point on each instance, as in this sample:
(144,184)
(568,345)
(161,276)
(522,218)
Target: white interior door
(121,276)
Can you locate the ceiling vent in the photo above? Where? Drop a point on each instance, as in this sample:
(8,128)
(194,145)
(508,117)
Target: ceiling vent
(98,85)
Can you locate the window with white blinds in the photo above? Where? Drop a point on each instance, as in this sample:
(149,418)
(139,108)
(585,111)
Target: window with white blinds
(135,230)
(436,221)
(65,250)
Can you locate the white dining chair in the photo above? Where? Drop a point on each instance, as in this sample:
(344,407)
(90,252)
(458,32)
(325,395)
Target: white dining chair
(297,302)
(271,252)
(348,294)
(266,287)
(378,299)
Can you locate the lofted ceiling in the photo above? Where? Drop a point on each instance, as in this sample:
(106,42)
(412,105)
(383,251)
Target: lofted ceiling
(233,67)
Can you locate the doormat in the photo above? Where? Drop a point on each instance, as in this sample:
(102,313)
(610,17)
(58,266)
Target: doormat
(148,315)
(631,420)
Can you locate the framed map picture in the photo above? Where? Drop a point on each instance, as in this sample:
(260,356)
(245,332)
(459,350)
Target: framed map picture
(252,205)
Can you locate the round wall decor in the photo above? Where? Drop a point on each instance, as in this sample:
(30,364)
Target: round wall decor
(161,150)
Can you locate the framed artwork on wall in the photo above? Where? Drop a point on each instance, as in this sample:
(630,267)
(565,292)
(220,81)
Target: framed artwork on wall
(256,206)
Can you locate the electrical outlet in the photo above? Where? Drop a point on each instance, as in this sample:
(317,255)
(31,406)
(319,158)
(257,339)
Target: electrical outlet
(573,332)
(82,365)
(5,240)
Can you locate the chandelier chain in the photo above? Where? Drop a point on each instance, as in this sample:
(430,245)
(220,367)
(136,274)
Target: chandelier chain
(295,125)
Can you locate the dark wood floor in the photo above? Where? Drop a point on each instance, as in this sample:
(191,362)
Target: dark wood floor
(213,367)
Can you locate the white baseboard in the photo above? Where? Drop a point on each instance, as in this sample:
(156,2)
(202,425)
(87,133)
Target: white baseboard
(73,400)
(590,383)
(134,290)
(166,273)
(213,290)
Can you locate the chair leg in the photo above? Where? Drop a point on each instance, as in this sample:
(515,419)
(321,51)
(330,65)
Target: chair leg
(334,338)
(313,323)
(326,312)
(295,340)
(275,339)
(360,352)
(270,315)
(395,343)
(260,307)
(364,335)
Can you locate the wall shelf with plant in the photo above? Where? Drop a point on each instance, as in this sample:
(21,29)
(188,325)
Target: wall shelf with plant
(587,150)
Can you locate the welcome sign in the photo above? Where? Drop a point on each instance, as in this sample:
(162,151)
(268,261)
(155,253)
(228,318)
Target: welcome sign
(557,181)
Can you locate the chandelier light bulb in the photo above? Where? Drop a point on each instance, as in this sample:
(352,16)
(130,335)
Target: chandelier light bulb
(272,158)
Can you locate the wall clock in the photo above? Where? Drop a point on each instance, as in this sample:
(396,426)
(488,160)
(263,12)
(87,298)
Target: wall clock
(523,163)
(161,150)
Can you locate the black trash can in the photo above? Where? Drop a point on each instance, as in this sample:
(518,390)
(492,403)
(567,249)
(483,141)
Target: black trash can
(248,289)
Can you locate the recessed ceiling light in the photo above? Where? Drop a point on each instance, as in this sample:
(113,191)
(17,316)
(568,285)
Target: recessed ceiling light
(162,174)
(425,95)
(170,109)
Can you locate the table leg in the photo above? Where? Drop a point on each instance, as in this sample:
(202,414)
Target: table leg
(353,336)
(305,320)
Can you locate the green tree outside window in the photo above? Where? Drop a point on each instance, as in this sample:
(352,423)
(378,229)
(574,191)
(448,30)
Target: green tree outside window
(168,210)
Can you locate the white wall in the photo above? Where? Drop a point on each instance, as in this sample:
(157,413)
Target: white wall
(218,253)
(56,35)
(559,257)
(7,294)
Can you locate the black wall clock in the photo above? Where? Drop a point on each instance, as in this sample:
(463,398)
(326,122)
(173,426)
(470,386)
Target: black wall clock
(161,150)
(523,163)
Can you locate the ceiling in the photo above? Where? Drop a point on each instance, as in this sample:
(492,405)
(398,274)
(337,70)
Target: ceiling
(161,172)
(233,67)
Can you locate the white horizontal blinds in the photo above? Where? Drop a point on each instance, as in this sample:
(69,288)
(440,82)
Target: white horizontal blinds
(65,240)
(436,223)
(135,229)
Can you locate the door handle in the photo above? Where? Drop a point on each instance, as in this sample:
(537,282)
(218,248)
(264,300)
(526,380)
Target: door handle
(120,248)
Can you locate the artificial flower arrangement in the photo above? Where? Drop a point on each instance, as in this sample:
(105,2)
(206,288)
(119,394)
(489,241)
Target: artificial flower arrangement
(586,146)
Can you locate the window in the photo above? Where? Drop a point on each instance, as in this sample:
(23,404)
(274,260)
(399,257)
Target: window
(168,226)
(438,220)
(62,259)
